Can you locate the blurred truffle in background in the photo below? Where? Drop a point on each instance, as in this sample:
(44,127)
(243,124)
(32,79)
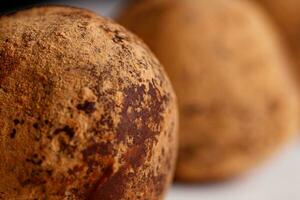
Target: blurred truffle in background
(286,14)
(238,103)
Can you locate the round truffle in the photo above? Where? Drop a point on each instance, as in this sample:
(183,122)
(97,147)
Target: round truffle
(86,110)
(237,101)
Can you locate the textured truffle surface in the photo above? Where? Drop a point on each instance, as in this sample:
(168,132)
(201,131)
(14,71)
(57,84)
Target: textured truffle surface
(86,110)
(237,102)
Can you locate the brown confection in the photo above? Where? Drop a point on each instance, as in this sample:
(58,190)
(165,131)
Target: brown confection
(286,14)
(237,101)
(86,110)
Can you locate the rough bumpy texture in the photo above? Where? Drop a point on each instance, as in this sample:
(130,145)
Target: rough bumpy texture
(287,16)
(86,111)
(236,100)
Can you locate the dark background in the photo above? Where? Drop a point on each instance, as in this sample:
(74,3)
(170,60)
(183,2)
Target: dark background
(12,5)
(103,7)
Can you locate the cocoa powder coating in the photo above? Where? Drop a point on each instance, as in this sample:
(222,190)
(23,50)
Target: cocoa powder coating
(86,110)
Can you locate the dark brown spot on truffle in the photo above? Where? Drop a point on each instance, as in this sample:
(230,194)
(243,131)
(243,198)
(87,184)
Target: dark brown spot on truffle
(67,130)
(111,189)
(97,148)
(36,125)
(16,121)
(88,107)
(35,160)
(13,134)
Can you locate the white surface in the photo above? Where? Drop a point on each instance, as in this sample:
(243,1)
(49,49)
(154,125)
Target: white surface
(278,179)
